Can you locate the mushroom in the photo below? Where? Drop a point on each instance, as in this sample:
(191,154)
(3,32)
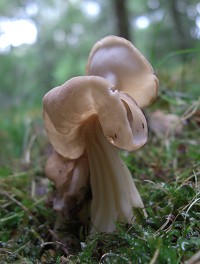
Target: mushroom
(58,169)
(163,124)
(90,118)
(71,178)
(94,126)
(117,60)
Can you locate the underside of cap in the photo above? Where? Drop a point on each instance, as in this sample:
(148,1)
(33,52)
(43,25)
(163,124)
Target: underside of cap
(68,108)
(118,61)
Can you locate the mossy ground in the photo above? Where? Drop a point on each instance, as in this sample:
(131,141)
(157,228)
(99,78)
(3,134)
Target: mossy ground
(166,171)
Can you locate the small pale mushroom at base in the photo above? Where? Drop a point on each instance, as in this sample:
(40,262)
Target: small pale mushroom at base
(71,178)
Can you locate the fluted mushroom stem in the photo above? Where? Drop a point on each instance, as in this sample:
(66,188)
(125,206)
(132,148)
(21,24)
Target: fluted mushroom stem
(114,193)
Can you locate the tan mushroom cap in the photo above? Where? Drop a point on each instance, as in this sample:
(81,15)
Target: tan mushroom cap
(118,61)
(71,106)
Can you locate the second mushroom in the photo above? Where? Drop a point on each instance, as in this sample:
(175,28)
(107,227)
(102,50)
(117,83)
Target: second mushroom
(88,119)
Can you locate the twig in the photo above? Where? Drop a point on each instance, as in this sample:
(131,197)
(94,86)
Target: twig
(155,256)
(190,111)
(9,217)
(18,203)
(196,200)
(195,259)
(170,219)
(18,174)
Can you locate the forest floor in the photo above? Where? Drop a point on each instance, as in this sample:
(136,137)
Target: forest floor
(166,171)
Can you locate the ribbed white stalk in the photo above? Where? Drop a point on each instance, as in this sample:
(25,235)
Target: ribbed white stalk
(114,193)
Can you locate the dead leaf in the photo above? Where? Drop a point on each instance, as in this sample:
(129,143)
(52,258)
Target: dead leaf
(165,124)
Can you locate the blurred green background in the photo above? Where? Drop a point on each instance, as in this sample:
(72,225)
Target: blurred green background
(44,43)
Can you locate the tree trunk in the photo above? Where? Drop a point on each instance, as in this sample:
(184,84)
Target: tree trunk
(122,21)
(182,35)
